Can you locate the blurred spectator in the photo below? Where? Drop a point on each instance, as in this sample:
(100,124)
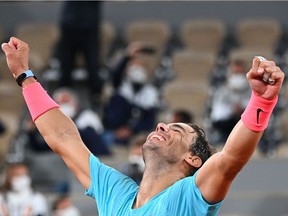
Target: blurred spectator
(63,206)
(229,101)
(38,153)
(134,105)
(2,127)
(182,115)
(87,121)
(80,34)
(135,166)
(18,197)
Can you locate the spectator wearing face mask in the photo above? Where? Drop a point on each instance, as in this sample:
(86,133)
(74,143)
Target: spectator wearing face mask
(87,121)
(134,104)
(38,153)
(63,206)
(17,195)
(229,101)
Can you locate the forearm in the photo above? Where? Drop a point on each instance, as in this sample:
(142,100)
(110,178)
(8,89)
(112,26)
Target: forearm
(58,130)
(216,175)
(247,133)
(62,135)
(240,146)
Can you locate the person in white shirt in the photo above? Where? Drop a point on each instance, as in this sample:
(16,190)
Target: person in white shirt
(230,100)
(17,196)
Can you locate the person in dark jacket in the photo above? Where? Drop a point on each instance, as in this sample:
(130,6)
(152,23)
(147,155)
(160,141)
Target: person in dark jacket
(134,105)
(80,34)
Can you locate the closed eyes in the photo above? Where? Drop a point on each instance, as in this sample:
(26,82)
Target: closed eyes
(178,129)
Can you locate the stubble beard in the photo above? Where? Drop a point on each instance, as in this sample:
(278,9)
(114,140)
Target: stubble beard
(156,159)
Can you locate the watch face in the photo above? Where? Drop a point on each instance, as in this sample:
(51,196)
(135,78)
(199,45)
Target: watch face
(20,78)
(24,76)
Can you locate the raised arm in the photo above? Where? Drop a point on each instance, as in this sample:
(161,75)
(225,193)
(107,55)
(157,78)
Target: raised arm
(58,130)
(216,175)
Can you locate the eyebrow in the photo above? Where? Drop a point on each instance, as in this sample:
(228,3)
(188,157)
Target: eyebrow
(181,128)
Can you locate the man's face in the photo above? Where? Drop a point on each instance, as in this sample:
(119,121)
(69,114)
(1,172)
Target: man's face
(168,144)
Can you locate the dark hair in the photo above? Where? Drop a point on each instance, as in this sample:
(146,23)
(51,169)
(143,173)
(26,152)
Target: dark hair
(201,147)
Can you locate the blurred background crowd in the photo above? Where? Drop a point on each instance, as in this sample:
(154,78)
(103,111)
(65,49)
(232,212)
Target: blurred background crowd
(119,68)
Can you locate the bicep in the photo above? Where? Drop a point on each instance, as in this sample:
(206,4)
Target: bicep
(77,160)
(212,181)
(215,177)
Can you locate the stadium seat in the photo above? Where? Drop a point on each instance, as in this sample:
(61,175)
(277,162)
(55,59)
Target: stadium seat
(203,35)
(261,34)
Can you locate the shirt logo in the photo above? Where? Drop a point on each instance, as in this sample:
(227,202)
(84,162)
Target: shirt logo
(259,110)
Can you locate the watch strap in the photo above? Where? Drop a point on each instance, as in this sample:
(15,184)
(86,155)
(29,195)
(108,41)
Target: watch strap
(24,76)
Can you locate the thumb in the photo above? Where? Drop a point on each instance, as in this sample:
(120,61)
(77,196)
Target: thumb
(256,62)
(5,47)
(255,71)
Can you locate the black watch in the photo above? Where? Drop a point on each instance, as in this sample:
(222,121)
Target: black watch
(24,76)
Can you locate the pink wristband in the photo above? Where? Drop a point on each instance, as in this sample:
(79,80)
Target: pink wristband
(37,100)
(257,114)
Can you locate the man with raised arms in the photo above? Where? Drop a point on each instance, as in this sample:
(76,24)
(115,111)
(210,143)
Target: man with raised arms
(182,176)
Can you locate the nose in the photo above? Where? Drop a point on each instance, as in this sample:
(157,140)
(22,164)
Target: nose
(162,127)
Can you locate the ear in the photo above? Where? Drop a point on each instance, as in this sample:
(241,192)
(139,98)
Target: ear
(193,160)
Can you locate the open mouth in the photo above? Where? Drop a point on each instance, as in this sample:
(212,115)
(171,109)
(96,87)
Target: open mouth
(157,137)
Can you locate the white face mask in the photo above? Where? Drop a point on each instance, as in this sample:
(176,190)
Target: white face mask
(237,82)
(134,159)
(70,211)
(137,74)
(68,109)
(21,183)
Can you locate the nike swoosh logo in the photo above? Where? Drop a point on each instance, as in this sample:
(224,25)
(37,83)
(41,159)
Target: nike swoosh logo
(258,114)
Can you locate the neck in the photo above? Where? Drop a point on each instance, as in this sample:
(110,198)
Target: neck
(154,182)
